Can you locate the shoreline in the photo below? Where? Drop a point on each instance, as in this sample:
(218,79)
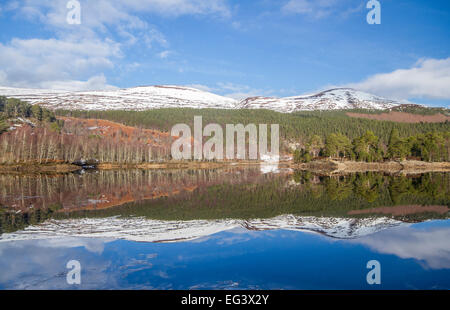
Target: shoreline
(404,167)
(327,166)
(178,165)
(36,168)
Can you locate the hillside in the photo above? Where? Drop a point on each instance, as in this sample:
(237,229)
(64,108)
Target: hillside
(293,126)
(32,134)
(403,117)
(333,99)
(136,99)
(169,96)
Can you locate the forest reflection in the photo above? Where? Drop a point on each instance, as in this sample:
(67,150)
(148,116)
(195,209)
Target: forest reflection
(220,193)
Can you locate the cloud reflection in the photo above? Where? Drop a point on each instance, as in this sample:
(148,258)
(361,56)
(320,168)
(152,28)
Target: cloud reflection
(430,246)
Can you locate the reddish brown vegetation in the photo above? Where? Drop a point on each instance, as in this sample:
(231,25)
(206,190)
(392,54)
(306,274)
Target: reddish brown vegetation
(101,140)
(402,210)
(403,117)
(124,133)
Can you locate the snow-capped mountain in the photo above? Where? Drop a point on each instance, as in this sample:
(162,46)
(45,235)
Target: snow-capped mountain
(333,99)
(154,97)
(145,230)
(136,98)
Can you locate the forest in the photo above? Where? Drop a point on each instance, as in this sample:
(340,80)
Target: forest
(430,147)
(37,136)
(329,134)
(298,126)
(15,108)
(33,134)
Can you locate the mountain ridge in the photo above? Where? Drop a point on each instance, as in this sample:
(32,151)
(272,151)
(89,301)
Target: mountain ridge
(173,96)
(331,99)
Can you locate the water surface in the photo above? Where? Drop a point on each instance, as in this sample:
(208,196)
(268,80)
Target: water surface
(225,228)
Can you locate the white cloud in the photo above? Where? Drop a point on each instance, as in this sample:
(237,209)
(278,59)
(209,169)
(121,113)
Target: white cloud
(428,78)
(164,54)
(180,7)
(201,87)
(240,92)
(230,90)
(430,247)
(97,82)
(46,63)
(78,55)
(322,8)
(316,8)
(99,19)
(100,14)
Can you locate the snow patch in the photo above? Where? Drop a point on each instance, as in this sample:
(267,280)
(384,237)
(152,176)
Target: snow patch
(145,230)
(171,96)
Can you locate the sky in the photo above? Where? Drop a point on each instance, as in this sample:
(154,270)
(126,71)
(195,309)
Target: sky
(229,47)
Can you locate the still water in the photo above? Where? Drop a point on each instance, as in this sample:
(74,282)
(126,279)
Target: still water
(234,228)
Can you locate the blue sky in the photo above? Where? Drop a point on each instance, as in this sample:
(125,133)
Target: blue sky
(233,48)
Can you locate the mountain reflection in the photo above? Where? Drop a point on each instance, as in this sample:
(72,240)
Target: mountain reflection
(220,194)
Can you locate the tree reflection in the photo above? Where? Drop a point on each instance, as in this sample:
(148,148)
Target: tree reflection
(216,194)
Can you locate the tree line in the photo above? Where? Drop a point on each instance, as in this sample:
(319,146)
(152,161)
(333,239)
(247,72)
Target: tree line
(431,146)
(268,196)
(45,145)
(16,108)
